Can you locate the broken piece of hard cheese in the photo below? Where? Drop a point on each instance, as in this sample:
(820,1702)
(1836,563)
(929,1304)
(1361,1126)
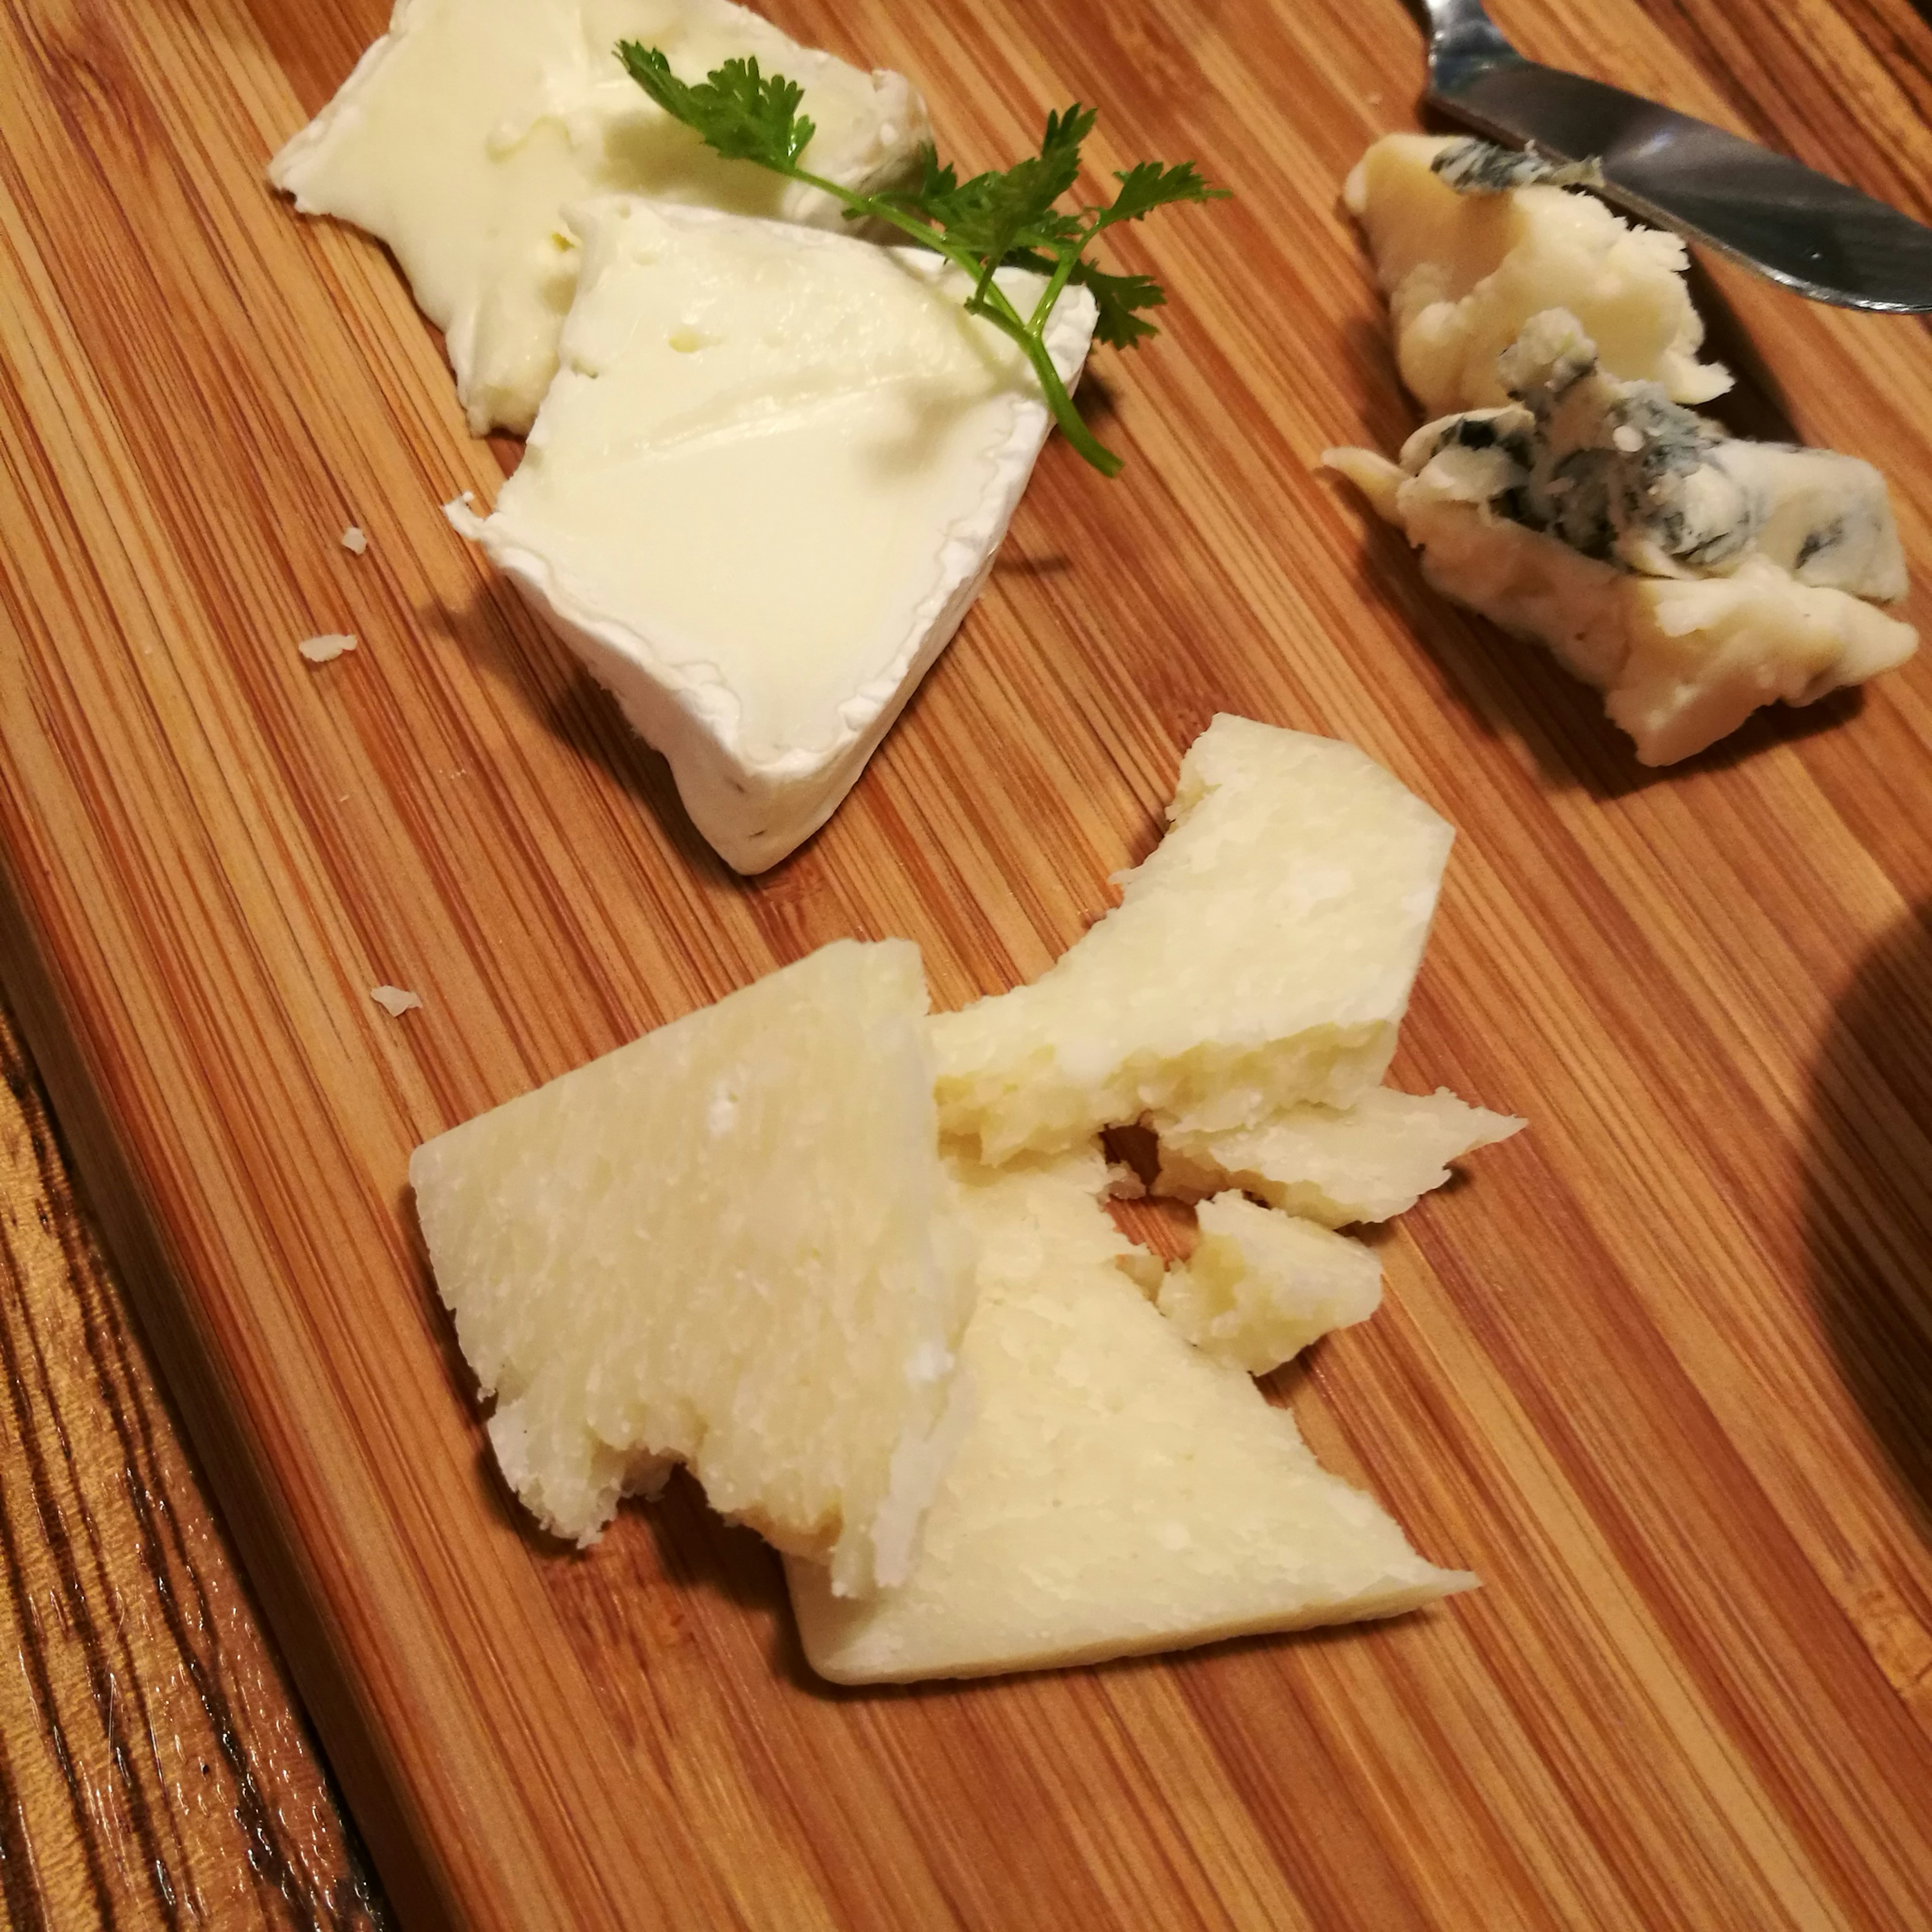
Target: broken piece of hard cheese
(1118,1491)
(1260,957)
(729,1243)
(1260,1285)
(1363,1162)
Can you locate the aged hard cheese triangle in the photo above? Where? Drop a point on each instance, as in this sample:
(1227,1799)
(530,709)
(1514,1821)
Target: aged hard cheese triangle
(1261,957)
(770,477)
(1117,1491)
(465,131)
(729,1243)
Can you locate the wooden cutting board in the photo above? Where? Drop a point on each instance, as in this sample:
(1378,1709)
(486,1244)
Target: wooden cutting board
(1660,1369)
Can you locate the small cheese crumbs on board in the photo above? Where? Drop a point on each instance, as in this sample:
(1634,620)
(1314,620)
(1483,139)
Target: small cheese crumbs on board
(325,649)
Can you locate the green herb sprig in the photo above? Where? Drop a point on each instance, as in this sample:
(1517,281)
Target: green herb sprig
(988,222)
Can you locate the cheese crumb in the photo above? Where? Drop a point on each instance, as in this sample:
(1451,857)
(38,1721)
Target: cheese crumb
(354,541)
(326,648)
(1260,1285)
(394,1000)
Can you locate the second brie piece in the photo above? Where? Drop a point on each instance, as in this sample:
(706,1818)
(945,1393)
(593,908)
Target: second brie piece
(1260,956)
(464,132)
(768,480)
(729,1243)
(1118,1492)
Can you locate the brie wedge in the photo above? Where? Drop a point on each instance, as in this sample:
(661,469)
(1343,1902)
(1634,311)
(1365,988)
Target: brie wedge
(1118,1491)
(463,133)
(1463,271)
(770,477)
(1262,956)
(730,1244)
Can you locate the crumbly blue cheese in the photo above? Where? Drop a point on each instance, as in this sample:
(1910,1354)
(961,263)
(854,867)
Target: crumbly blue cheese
(1616,470)
(1689,577)
(1464,271)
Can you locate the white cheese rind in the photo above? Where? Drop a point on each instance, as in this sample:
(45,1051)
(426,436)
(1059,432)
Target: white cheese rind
(729,1243)
(771,477)
(1368,1161)
(1260,1285)
(1464,272)
(1262,956)
(1118,1493)
(464,132)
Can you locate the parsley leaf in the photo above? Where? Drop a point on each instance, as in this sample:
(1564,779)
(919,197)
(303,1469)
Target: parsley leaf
(746,115)
(1005,218)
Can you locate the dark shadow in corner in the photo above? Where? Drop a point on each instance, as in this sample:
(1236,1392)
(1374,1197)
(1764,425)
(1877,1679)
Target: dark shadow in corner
(1868,1198)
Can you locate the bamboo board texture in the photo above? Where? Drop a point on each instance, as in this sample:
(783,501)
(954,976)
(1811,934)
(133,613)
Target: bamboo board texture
(1658,1370)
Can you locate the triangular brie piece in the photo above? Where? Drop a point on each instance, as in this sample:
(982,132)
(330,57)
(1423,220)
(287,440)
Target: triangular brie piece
(767,482)
(1118,1491)
(730,1244)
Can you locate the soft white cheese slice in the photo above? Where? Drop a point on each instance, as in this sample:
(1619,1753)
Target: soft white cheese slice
(1366,1162)
(730,1244)
(1261,957)
(769,478)
(466,130)
(1118,1491)
(1463,272)
(1260,1285)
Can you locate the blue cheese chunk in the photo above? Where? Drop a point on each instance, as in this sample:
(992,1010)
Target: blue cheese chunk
(1468,249)
(1617,470)
(1689,576)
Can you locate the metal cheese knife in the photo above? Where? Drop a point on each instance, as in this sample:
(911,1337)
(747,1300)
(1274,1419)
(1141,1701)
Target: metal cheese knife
(1765,211)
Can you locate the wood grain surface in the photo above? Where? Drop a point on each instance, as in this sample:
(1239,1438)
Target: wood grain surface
(154,1769)
(1658,1370)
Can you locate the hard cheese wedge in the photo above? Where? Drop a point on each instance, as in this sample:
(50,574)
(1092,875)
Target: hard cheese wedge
(730,1244)
(1118,1491)
(1260,958)
(465,131)
(769,478)
(1464,271)
(1363,1162)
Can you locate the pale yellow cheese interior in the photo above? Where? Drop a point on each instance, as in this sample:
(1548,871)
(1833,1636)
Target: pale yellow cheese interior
(1363,1163)
(1119,1491)
(1261,957)
(730,1244)
(1260,1285)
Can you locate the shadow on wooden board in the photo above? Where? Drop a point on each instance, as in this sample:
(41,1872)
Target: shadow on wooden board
(1869,1197)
